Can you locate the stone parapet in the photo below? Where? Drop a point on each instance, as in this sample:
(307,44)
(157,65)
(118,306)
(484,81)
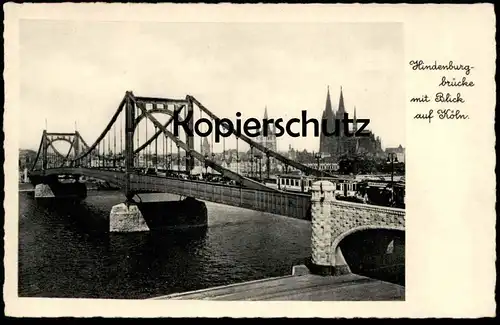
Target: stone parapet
(350,217)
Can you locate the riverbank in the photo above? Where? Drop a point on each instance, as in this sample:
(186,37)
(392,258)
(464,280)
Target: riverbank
(26,187)
(306,287)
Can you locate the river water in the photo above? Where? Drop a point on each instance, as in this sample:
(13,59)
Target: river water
(64,253)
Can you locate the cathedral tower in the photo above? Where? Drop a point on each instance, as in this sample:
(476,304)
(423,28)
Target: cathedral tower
(327,143)
(206,147)
(268,140)
(340,116)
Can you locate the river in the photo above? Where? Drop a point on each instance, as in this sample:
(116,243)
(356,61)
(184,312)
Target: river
(64,253)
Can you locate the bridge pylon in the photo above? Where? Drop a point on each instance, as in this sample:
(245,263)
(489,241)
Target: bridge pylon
(45,145)
(190,138)
(129,142)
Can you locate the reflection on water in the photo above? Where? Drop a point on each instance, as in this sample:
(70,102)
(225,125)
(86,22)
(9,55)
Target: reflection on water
(63,251)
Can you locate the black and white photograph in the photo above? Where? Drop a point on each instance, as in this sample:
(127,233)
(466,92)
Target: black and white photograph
(212,161)
(249,161)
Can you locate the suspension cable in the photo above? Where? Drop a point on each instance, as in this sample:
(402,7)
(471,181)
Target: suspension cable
(121,136)
(109,154)
(138,134)
(237,157)
(171,143)
(147,148)
(201,141)
(163,153)
(212,141)
(104,152)
(178,159)
(224,149)
(156,149)
(114,146)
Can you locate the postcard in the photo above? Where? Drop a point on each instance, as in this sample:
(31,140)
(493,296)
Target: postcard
(271,160)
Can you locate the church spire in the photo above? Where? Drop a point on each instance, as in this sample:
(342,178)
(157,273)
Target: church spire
(354,122)
(271,130)
(328,107)
(206,146)
(341,110)
(326,143)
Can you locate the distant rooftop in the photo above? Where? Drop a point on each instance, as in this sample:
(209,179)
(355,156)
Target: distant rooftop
(399,149)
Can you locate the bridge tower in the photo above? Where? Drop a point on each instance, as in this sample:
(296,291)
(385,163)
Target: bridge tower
(129,142)
(190,138)
(76,148)
(45,145)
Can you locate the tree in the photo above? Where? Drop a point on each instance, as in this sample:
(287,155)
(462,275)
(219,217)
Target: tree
(367,165)
(346,165)
(359,163)
(304,157)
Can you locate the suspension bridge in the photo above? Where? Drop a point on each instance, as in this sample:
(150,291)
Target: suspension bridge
(135,142)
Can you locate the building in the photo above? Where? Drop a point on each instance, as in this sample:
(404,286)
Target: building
(206,147)
(292,154)
(267,138)
(327,145)
(27,158)
(324,166)
(398,151)
(336,144)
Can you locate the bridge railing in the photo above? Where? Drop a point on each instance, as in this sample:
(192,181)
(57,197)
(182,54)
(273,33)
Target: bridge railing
(295,205)
(281,203)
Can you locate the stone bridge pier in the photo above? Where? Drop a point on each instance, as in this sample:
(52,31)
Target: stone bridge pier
(51,187)
(351,236)
(134,216)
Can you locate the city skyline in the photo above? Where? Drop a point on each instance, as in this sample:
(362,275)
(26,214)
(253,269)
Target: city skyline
(241,67)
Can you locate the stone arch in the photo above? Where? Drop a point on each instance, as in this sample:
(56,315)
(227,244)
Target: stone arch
(335,248)
(343,235)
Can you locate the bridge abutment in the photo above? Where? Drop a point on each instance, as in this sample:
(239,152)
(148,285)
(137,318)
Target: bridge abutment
(324,260)
(363,231)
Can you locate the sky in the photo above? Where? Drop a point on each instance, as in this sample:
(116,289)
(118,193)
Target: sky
(79,71)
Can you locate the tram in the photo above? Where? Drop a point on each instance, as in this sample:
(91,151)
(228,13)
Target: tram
(384,193)
(291,182)
(299,183)
(372,191)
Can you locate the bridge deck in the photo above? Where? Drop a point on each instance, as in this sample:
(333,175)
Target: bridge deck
(272,201)
(307,287)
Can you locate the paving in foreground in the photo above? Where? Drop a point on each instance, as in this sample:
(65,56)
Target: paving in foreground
(307,287)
